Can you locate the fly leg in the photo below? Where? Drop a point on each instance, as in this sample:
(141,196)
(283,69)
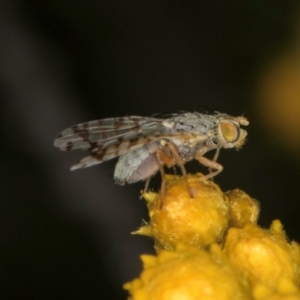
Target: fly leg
(211,164)
(215,159)
(174,170)
(147,181)
(161,159)
(179,162)
(165,156)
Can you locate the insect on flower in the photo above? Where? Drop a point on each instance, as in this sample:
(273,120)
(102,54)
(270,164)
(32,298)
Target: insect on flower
(145,145)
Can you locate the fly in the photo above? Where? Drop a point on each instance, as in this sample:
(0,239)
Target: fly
(145,145)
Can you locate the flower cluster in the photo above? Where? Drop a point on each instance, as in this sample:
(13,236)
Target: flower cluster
(210,247)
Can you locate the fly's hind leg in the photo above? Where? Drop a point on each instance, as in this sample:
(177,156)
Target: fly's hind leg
(161,158)
(179,162)
(147,181)
(169,156)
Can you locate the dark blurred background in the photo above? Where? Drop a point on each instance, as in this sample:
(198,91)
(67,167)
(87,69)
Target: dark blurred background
(66,235)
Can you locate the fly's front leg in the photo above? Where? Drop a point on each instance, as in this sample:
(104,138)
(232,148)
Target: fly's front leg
(215,159)
(211,164)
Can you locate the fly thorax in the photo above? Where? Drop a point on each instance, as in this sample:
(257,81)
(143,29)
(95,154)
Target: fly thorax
(193,123)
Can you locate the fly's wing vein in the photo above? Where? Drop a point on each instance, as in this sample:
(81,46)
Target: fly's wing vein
(109,138)
(102,134)
(101,155)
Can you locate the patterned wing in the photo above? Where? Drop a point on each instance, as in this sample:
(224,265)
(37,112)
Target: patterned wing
(108,138)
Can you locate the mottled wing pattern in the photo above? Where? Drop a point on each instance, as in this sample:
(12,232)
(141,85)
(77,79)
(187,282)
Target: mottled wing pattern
(108,138)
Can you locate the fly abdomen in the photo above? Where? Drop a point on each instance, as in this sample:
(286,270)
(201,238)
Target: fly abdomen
(138,164)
